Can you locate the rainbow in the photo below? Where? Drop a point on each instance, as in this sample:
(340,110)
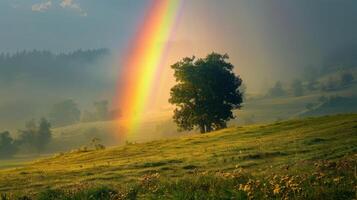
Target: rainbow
(141,67)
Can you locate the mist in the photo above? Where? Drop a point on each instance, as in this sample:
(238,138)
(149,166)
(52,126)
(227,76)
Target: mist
(32,81)
(267,41)
(160,99)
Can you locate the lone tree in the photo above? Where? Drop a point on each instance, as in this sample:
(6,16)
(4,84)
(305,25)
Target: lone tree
(206,92)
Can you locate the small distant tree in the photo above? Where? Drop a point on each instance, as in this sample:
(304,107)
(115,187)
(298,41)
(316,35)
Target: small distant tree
(277,90)
(297,88)
(27,136)
(64,113)
(206,92)
(96,144)
(346,78)
(43,134)
(7,145)
(35,137)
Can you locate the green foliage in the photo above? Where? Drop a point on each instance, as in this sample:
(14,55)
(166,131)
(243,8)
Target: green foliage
(64,113)
(27,136)
(43,136)
(206,92)
(7,145)
(96,144)
(318,154)
(35,136)
(51,195)
(102,193)
(326,180)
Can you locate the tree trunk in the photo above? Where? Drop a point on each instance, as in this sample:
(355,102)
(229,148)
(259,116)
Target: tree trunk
(208,127)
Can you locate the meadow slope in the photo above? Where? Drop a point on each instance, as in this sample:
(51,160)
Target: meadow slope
(291,147)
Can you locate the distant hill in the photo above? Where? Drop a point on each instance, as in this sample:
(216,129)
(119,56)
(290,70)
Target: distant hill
(341,59)
(334,105)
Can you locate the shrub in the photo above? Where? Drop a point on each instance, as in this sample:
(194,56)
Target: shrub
(7,145)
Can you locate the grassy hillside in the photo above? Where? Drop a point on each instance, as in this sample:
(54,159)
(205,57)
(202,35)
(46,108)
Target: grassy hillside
(288,147)
(258,110)
(255,110)
(77,135)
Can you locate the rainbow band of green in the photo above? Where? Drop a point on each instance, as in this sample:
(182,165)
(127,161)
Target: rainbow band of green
(143,63)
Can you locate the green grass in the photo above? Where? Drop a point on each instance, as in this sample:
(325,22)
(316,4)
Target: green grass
(292,147)
(73,136)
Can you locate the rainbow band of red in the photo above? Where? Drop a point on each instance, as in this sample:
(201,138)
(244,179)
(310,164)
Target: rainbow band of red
(142,65)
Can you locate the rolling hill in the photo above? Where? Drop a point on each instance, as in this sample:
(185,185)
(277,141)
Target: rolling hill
(259,110)
(286,147)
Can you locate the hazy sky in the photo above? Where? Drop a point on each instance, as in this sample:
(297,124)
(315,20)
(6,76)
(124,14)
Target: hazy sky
(265,38)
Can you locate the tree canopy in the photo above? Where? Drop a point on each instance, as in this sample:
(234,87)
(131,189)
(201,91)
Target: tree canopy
(35,137)
(7,145)
(206,92)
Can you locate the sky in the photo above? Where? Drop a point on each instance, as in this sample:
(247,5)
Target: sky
(266,39)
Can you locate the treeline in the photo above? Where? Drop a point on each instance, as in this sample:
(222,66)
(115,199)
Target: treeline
(299,87)
(47,66)
(34,138)
(31,81)
(67,112)
(335,73)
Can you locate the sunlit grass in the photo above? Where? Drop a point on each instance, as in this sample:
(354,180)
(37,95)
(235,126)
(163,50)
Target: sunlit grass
(285,148)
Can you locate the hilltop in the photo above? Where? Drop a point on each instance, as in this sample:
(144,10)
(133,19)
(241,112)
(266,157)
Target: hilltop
(292,147)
